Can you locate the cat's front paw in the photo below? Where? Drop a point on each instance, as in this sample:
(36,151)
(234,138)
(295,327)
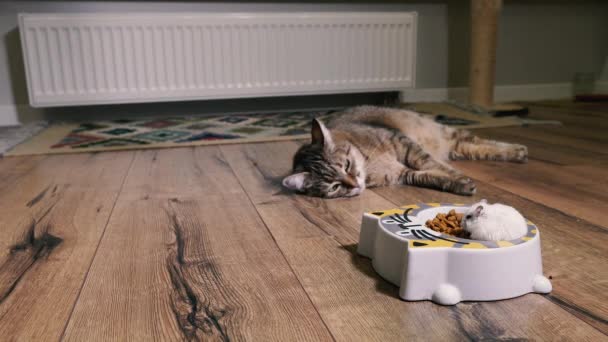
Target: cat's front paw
(519,154)
(456,156)
(464,186)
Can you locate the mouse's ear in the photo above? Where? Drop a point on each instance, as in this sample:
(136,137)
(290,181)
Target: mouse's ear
(478,210)
(484,201)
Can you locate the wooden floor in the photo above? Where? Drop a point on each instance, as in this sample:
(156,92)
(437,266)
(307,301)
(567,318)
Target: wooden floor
(202,243)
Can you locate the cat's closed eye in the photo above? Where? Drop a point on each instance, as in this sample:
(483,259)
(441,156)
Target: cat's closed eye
(335,187)
(347,168)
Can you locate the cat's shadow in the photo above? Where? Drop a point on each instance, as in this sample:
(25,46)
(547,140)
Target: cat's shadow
(364,265)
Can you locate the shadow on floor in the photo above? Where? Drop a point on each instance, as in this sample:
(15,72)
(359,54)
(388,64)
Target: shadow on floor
(364,265)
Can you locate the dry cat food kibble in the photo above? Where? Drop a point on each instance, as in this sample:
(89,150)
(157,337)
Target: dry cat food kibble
(448,224)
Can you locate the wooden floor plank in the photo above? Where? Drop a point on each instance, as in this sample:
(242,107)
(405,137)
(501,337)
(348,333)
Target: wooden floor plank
(573,114)
(581,191)
(186,256)
(591,134)
(574,252)
(556,136)
(566,105)
(319,238)
(544,151)
(51,220)
(596,121)
(596,173)
(14,168)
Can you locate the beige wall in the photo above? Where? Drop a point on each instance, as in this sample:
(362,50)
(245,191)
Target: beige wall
(539,41)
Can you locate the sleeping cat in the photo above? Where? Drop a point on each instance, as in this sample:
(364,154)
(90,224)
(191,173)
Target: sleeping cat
(373,146)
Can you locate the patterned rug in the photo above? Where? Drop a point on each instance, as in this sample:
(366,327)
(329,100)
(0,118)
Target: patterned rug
(181,131)
(176,131)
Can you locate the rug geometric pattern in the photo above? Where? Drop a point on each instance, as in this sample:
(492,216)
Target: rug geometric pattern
(186,129)
(76,139)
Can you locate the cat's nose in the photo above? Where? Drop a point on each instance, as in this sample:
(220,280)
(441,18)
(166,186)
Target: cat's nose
(350,182)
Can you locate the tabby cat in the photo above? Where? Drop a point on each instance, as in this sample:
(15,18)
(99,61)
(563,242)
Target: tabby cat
(373,146)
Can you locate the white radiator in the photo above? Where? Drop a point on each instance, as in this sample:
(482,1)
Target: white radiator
(77,59)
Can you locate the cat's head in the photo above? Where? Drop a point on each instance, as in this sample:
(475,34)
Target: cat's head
(327,167)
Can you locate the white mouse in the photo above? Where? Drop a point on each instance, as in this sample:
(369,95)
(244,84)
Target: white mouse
(493,222)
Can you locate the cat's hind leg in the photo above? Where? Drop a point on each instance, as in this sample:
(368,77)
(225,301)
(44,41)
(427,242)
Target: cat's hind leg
(470,147)
(388,171)
(424,170)
(436,179)
(413,166)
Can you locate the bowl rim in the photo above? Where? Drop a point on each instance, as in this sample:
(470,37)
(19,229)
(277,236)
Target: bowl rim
(412,210)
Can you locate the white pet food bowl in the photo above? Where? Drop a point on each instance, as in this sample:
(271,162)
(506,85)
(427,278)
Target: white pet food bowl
(428,265)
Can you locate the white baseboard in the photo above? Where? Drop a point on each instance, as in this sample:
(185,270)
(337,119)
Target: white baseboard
(11,115)
(522,92)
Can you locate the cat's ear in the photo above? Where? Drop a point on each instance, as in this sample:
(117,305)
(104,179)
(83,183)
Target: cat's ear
(321,135)
(478,210)
(297,181)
